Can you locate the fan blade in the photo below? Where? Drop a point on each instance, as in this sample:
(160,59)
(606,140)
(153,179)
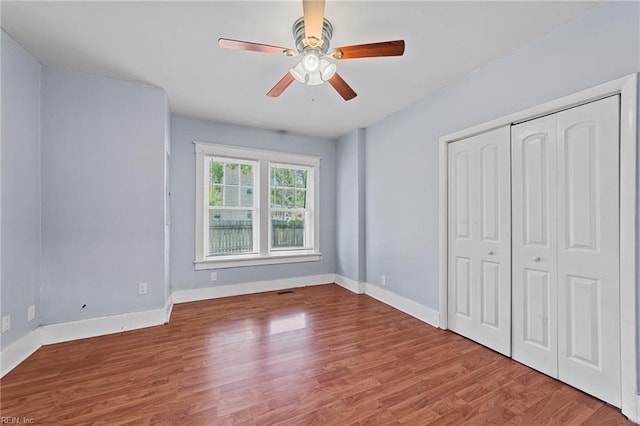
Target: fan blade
(281,85)
(313,20)
(370,50)
(226,43)
(342,87)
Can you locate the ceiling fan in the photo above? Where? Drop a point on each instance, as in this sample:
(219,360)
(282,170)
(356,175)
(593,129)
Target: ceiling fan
(312,34)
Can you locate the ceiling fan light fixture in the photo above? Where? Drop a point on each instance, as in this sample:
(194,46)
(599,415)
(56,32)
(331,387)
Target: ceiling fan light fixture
(311,61)
(327,69)
(314,79)
(299,73)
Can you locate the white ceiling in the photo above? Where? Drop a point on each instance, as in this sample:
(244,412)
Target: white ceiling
(173,45)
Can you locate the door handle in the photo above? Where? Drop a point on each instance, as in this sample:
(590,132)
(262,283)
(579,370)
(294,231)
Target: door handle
(536,258)
(490,252)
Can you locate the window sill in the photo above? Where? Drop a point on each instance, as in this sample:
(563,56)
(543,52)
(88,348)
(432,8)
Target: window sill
(255,260)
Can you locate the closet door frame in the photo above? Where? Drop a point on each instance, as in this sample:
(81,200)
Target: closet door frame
(627,88)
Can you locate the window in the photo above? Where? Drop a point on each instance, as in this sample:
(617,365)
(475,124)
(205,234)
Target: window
(254,207)
(288,207)
(232,206)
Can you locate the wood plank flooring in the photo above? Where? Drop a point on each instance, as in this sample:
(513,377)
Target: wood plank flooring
(318,355)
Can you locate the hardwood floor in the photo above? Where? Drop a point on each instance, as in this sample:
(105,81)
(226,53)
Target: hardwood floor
(317,355)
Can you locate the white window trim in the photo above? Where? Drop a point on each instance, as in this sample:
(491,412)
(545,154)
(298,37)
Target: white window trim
(265,255)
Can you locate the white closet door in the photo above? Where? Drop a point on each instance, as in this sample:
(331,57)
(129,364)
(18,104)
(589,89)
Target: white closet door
(566,298)
(588,249)
(533,147)
(479,270)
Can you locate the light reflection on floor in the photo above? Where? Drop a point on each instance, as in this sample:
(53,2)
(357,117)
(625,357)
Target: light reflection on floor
(287,323)
(234,336)
(248,331)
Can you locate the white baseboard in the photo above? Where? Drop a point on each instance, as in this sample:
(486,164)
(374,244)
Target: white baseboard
(74,330)
(351,285)
(631,409)
(19,350)
(421,312)
(415,309)
(183,296)
(634,416)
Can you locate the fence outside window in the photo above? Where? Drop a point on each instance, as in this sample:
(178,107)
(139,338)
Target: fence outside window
(236,236)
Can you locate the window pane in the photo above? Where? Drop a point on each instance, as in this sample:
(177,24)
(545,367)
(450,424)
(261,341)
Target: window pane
(287,229)
(231,172)
(215,195)
(301,198)
(276,176)
(277,197)
(289,177)
(230,232)
(289,198)
(216,171)
(246,196)
(301,178)
(246,175)
(231,196)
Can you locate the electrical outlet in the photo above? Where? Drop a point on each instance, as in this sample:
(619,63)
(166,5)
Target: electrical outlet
(383,280)
(31,313)
(142,288)
(214,276)
(6,323)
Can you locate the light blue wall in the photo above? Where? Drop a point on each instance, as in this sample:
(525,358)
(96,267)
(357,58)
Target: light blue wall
(362,214)
(350,204)
(20,189)
(103,154)
(167,200)
(184,131)
(402,150)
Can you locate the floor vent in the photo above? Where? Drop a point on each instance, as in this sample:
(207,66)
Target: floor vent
(285,292)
